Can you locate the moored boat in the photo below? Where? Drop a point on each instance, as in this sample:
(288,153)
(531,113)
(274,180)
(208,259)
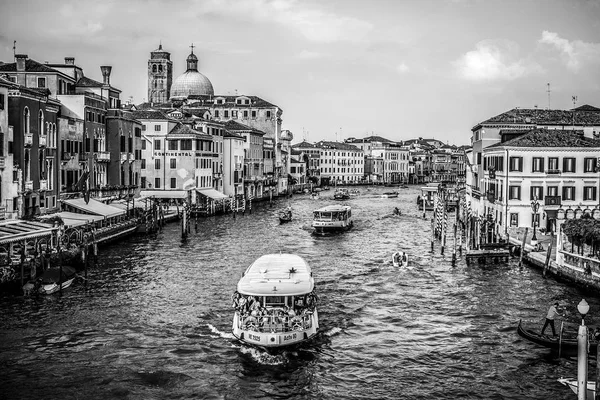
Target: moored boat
(332,218)
(400,259)
(564,343)
(53,279)
(275,302)
(388,195)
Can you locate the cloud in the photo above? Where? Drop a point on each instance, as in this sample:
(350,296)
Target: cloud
(576,53)
(308,55)
(314,24)
(402,68)
(494,60)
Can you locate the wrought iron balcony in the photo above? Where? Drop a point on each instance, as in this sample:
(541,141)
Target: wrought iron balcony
(28,139)
(43,140)
(43,184)
(2,162)
(553,171)
(28,186)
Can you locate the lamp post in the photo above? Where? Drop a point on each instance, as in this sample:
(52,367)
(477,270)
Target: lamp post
(535,206)
(582,349)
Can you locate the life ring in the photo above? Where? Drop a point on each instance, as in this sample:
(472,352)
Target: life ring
(250,324)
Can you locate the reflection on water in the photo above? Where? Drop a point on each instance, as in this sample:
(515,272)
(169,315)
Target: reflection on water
(154,321)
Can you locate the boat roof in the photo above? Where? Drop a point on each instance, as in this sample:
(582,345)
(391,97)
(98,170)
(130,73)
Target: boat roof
(270,275)
(333,207)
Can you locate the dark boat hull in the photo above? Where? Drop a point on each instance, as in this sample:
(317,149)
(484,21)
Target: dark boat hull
(566,346)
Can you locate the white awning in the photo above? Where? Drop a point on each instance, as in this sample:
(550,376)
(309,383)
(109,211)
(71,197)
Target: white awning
(94,207)
(212,193)
(165,194)
(74,219)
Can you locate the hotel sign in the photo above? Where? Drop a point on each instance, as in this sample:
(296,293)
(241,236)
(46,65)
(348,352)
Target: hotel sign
(178,154)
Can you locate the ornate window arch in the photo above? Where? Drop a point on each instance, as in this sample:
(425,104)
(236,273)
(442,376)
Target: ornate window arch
(26,120)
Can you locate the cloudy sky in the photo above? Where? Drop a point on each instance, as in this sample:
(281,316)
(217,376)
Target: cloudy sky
(338,68)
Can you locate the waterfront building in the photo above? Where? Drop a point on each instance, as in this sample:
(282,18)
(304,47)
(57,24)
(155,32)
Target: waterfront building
(253,173)
(395,161)
(515,122)
(216,130)
(72,162)
(233,164)
(341,163)
(192,92)
(298,169)
(33,115)
(310,154)
(557,169)
(374,150)
(8,183)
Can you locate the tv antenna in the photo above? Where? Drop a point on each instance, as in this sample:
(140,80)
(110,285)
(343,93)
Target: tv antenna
(548,90)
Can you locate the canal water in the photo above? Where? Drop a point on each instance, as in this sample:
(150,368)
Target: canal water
(154,320)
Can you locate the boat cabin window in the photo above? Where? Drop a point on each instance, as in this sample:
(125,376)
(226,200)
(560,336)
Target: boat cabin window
(275,301)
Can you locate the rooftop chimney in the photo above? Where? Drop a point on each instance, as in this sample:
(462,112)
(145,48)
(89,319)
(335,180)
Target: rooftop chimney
(106,73)
(21,58)
(70,60)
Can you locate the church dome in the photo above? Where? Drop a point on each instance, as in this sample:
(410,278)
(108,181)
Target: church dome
(191,82)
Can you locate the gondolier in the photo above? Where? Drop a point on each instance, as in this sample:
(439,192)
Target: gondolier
(552,314)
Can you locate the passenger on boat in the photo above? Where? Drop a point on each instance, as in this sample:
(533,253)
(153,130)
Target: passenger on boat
(404,257)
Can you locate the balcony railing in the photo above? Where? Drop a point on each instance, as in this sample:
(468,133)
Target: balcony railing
(65,156)
(552,200)
(126,157)
(28,186)
(102,156)
(28,139)
(553,171)
(43,140)
(44,185)
(2,162)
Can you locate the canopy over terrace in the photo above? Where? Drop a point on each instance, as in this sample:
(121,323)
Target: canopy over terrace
(212,193)
(94,207)
(71,219)
(17,230)
(165,194)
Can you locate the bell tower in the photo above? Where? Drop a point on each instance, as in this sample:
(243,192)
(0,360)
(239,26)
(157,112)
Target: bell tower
(160,76)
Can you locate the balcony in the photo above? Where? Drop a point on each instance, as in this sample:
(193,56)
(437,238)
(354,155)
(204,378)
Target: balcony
(43,184)
(28,186)
(553,171)
(2,162)
(43,140)
(102,156)
(217,175)
(28,139)
(126,157)
(65,156)
(552,200)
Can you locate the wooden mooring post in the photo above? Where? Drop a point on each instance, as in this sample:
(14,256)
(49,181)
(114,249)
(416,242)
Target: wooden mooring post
(548,254)
(523,247)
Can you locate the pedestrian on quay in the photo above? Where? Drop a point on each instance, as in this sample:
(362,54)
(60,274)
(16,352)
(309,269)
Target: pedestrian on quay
(552,314)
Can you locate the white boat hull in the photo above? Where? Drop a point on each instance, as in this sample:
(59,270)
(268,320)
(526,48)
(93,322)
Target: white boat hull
(55,287)
(253,331)
(572,383)
(397,260)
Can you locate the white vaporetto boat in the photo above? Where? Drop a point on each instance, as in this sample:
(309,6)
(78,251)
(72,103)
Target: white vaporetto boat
(332,218)
(275,302)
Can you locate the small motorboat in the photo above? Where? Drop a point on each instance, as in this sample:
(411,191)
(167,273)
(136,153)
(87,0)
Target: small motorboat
(397,211)
(400,259)
(53,279)
(573,384)
(389,195)
(285,215)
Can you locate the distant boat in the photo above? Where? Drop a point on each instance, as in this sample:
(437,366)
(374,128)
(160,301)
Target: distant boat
(341,194)
(573,384)
(332,218)
(389,195)
(285,215)
(400,259)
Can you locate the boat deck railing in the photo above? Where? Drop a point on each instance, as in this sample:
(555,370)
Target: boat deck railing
(276,323)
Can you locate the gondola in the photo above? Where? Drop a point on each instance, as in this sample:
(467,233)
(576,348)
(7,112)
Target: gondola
(564,344)
(285,216)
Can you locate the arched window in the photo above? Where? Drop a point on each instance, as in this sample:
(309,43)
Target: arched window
(26,120)
(41,125)
(160,68)
(154,68)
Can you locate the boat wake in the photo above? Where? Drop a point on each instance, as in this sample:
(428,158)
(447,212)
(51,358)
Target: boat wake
(263,357)
(224,335)
(333,331)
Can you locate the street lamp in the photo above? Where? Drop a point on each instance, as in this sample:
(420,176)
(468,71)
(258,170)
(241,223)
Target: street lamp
(535,206)
(582,352)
